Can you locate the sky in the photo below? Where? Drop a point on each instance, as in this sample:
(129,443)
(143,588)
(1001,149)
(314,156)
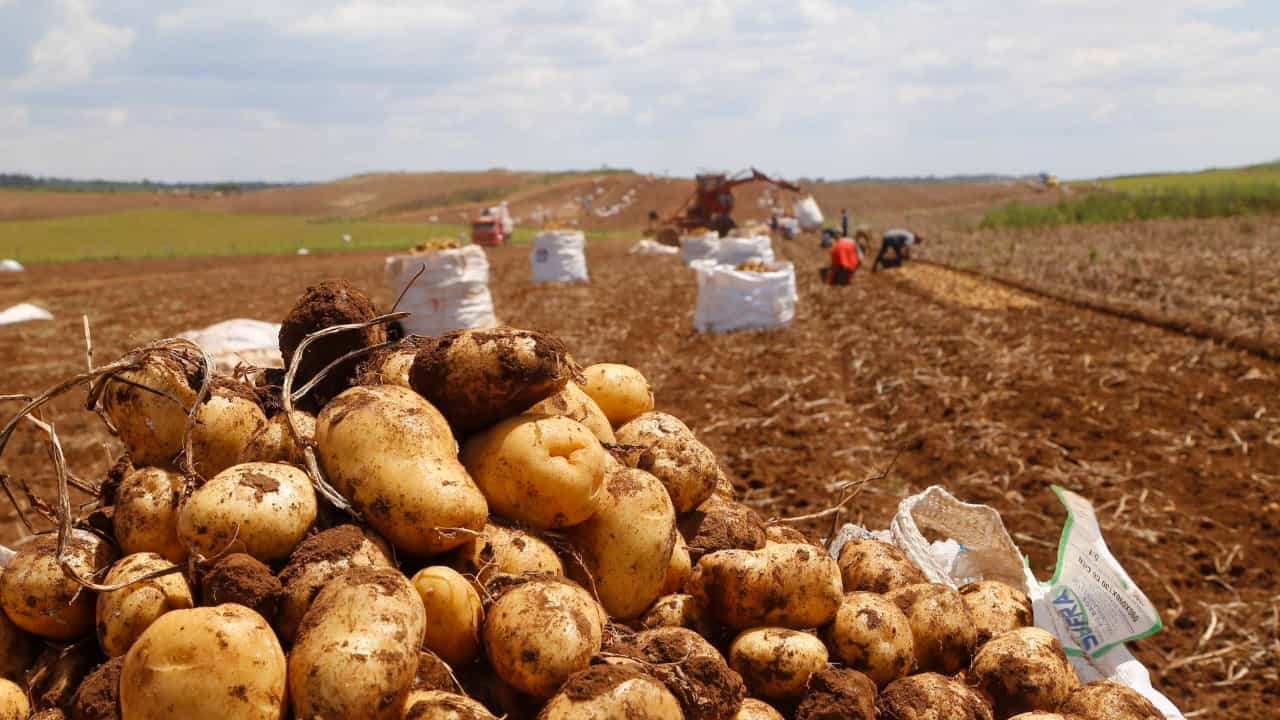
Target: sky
(307,90)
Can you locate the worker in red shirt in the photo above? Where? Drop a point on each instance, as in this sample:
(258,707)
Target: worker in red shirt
(844,261)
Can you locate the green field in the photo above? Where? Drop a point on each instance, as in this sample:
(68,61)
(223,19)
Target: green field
(1265,174)
(178,233)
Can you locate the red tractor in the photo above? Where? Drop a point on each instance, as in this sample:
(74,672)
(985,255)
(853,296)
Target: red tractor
(711,205)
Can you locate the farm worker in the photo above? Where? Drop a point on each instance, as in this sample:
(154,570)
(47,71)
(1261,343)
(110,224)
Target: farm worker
(844,223)
(861,238)
(900,242)
(844,262)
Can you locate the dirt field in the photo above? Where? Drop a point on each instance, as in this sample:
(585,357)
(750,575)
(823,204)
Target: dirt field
(1176,441)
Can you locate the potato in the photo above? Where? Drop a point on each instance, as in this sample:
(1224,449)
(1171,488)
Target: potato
(871,635)
(356,652)
(478,377)
(1023,670)
(546,472)
(838,693)
(930,696)
(205,664)
(753,709)
(319,559)
(274,442)
(438,705)
(878,567)
(794,586)
(941,627)
(17,648)
(40,599)
(539,633)
(573,403)
(678,569)
(335,302)
(455,612)
(243,580)
(146,513)
(499,549)
(688,665)
(776,663)
(783,535)
(627,544)
(152,424)
(608,692)
(13,701)
(261,509)
(392,455)
(98,697)
(677,611)
(390,366)
(1042,716)
(620,391)
(719,524)
(996,608)
(124,614)
(225,424)
(668,450)
(1108,700)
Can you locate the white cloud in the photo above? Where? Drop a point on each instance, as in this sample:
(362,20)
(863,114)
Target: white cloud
(112,117)
(13,117)
(377,17)
(69,52)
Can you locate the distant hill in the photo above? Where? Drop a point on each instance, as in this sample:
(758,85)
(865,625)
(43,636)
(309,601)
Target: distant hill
(22,181)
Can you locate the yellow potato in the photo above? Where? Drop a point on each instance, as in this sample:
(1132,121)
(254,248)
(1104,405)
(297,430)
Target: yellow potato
(678,569)
(393,456)
(124,614)
(205,664)
(941,629)
(776,663)
(225,424)
(622,393)
(274,442)
(871,635)
(539,633)
(455,612)
(439,705)
(146,513)
(1108,700)
(608,692)
(691,668)
(318,560)
(499,549)
(930,696)
(151,424)
(546,472)
(668,450)
(996,608)
(794,586)
(753,709)
(627,543)
(260,509)
(40,599)
(17,648)
(573,403)
(677,611)
(356,653)
(13,701)
(875,566)
(1024,670)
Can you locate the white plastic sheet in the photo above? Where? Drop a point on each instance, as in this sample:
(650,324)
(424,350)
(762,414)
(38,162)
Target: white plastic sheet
(730,299)
(808,214)
(737,250)
(451,294)
(240,340)
(649,247)
(24,312)
(559,256)
(11,265)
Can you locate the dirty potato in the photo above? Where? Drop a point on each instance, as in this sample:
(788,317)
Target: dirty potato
(573,403)
(17,647)
(334,302)
(776,663)
(261,509)
(225,424)
(274,442)
(318,560)
(930,696)
(677,610)
(871,635)
(502,550)
(720,524)
(540,632)
(678,569)
(621,391)
(122,615)
(941,628)
(1108,700)
(691,668)
(1023,670)
(794,586)
(875,566)
(40,599)
(455,612)
(666,448)
(606,692)
(996,608)
(146,513)
(13,701)
(148,406)
(838,693)
(440,705)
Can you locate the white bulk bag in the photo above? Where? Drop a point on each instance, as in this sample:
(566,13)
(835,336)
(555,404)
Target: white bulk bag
(699,247)
(232,342)
(730,299)
(11,265)
(808,214)
(737,250)
(649,247)
(451,294)
(24,312)
(558,256)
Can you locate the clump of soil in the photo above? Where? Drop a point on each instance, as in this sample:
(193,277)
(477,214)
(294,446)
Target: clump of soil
(99,695)
(336,302)
(694,672)
(57,672)
(838,694)
(720,524)
(336,543)
(930,695)
(242,579)
(433,674)
(598,680)
(268,389)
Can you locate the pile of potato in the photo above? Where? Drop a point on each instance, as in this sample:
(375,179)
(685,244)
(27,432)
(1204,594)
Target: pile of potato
(526,538)
(754,266)
(431,245)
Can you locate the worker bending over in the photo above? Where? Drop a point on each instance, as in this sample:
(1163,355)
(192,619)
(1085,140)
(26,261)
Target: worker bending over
(900,242)
(844,261)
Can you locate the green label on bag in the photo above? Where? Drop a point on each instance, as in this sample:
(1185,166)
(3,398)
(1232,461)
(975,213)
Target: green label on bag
(1096,606)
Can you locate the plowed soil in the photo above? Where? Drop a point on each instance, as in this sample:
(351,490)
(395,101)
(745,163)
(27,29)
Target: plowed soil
(1176,441)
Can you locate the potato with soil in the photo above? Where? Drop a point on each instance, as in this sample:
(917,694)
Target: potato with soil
(500,549)
(274,442)
(874,566)
(318,560)
(478,377)
(547,472)
(719,524)
(392,455)
(1023,670)
(357,649)
(243,580)
(225,424)
(941,628)
(17,648)
(336,302)
(690,667)
(146,513)
(626,544)
(13,701)
(996,608)
(677,610)
(40,599)
(540,632)
(871,635)
(98,697)
(609,692)
(930,696)
(455,613)
(123,615)
(148,406)
(438,705)
(621,391)
(205,664)
(793,586)
(1036,715)
(1108,700)
(776,663)
(573,403)
(262,509)
(390,366)
(838,694)
(666,448)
